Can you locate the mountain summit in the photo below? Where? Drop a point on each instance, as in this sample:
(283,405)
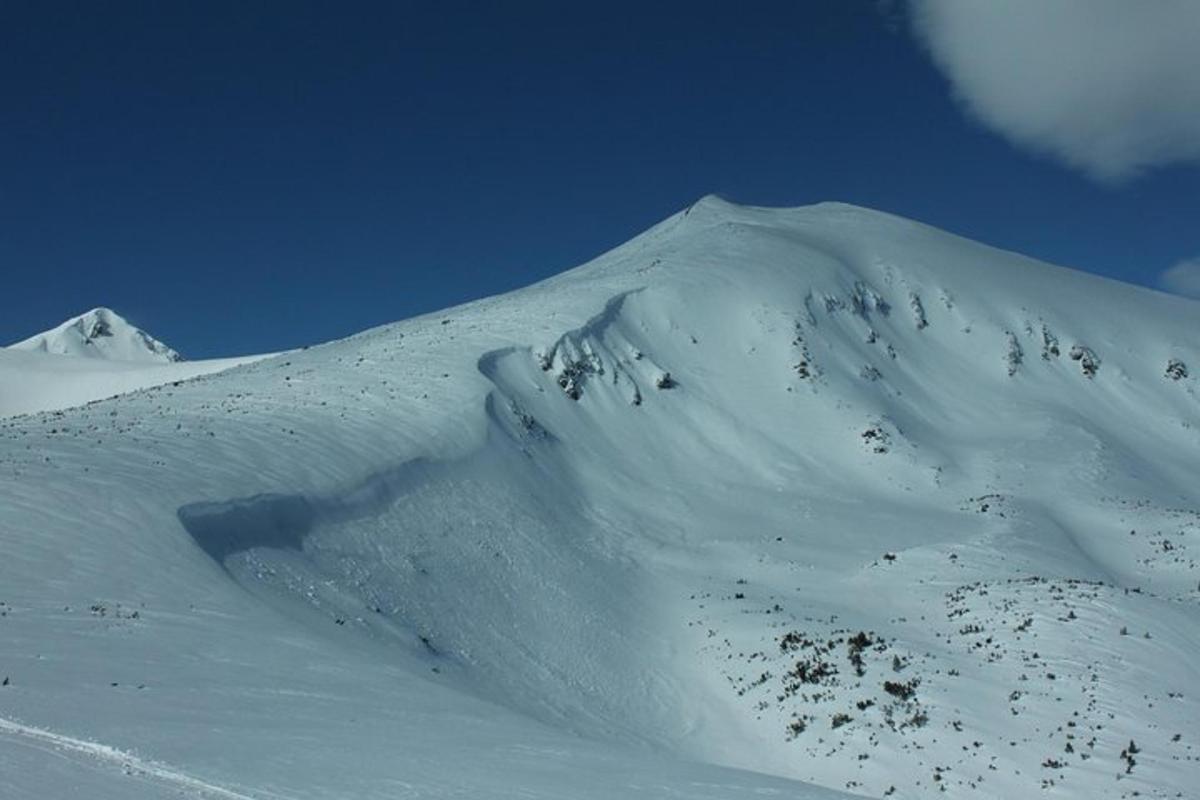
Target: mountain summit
(100,333)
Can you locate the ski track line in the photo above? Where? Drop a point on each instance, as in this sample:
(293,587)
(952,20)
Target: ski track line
(126,761)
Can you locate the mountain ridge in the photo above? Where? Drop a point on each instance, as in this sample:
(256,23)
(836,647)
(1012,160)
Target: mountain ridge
(849,502)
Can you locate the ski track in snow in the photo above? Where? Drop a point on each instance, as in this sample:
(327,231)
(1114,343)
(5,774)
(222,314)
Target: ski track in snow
(123,760)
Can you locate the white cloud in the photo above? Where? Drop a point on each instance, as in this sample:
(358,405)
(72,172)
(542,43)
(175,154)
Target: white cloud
(1183,278)
(1110,87)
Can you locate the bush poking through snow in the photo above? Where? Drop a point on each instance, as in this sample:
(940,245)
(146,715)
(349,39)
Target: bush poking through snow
(796,727)
(1089,362)
(903,690)
(855,646)
(574,373)
(1127,755)
(1176,369)
(918,310)
(1015,354)
(804,367)
(876,438)
(1049,344)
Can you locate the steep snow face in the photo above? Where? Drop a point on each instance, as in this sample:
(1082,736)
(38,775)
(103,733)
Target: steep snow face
(100,333)
(820,494)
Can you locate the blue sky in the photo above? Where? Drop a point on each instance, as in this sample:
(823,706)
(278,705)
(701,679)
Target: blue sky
(245,177)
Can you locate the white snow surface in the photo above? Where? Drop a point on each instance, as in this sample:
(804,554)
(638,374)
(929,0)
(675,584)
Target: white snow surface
(100,333)
(93,356)
(33,382)
(763,503)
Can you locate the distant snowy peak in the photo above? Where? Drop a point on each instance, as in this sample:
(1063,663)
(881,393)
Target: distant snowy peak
(100,333)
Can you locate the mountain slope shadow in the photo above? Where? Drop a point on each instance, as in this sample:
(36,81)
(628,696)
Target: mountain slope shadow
(490,567)
(282,521)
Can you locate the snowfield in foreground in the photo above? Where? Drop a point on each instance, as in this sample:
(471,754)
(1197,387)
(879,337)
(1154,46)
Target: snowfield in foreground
(764,503)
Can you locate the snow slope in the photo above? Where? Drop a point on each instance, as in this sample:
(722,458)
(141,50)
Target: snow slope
(33,382)
(761,503)
(100,333)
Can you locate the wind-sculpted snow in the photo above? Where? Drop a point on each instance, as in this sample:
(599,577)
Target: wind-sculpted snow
(431,555)
(224,529)
(818,494)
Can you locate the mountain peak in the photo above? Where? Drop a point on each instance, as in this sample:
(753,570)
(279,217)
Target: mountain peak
(100,333)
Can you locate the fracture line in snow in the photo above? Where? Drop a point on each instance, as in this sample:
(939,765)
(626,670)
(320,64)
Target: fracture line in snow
(128,762)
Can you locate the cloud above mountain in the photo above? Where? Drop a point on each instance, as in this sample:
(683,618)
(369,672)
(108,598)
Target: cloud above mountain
(1108,87)
(1182,278)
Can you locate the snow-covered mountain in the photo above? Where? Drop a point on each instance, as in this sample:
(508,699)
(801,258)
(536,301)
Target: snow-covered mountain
(100,333)
(764,502)
(91,357)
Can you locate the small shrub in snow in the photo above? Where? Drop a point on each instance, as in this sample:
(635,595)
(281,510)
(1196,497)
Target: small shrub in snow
(918,310)
(574,374)
(792,641)
(1015,354)
(876,438)
(903,690)
(665,381)
(1176,369)
(1127,755)
(1089,362)
(804,367)
(1049,344)
(855,646)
